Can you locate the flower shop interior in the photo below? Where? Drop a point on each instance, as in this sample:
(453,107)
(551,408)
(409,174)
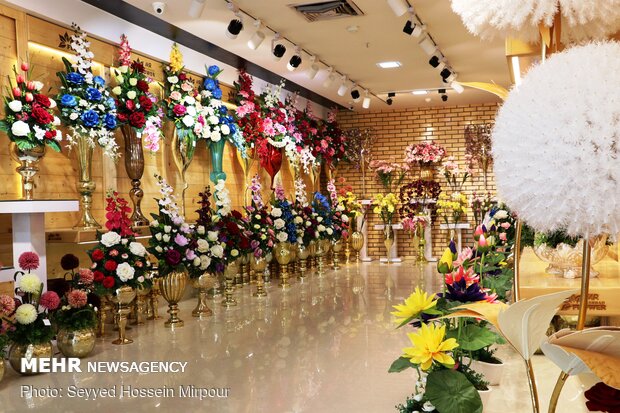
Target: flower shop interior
(310,206)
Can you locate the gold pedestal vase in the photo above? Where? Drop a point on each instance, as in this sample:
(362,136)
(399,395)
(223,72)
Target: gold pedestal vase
(203,284)
(28,351)
(134,165)
(238,280)
(102,315)
(247,269)
(336,250)
(152,312)
(322,249)
(312,257)
(76,343)
(172,288)
(283,254)
(357,243)
(122,299)
(231,270)
(28,167)
(267,273)
(85,186)
(259,265)
(388,240)
(347,250)
(303,253)
(140,308)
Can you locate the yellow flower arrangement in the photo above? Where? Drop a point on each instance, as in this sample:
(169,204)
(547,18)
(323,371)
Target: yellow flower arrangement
(176,58)
(416,303)
(429,346)
(452,207)
(385,205)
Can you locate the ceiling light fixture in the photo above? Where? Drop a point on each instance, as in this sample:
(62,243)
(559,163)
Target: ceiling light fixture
(295,61)
(330,79)
(458,88)
(389,65)
(258,37)
(419,92)
(427,44)
(366,101)
(342,90)
(196,8)
(277,49)
(413,26)
(390,98)
(236,25)
(443,94)
(313,70)
(448,75)
(399,7)
(355,94)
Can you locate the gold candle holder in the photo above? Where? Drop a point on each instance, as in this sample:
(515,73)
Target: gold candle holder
(102,315)
(203,284)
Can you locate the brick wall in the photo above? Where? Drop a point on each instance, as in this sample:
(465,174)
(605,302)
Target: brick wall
(395,130)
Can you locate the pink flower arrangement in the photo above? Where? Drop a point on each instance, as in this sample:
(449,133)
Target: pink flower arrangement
(7,305)
(77,298)
(415,223)
(389,173)
(49,300)
(425,153)
(28,261)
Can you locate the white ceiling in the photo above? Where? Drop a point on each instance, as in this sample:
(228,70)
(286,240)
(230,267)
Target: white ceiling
(379,38)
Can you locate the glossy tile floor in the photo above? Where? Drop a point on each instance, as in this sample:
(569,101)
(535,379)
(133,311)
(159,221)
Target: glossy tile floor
(323,346)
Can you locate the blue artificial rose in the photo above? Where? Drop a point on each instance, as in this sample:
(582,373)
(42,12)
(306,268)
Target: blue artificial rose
(110,121)
(214,70)
(111,103)
(75,78)
(90,118)
(209,84)
(217,93)
(223,110)
(92,94)
(99,80)
(68,100)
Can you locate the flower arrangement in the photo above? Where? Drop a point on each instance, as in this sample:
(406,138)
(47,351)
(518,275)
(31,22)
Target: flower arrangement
(259,223)
(424,154)
(75,311)
(29,119)
(26,320)
(352,206)
(480,205)
(478,146)
(452,207)
(358,145)
(171,236)
(86,106)
(418,197)
(283,218)
(136,105)
(416,224)
(385,206)
(208,249)
(454,174)
(389,173)
(331,146)
(340,219)
(118,259)
(230,226)
(248,114)
(306,128)
(322,215)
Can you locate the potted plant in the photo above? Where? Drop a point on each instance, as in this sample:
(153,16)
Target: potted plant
(76,319)
(486,363)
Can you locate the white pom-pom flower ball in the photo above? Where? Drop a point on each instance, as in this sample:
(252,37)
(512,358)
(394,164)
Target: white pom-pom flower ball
(556,143)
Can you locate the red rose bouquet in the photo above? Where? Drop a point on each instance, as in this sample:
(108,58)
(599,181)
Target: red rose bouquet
(29,119)
(118,259)
(248,113)
(136,105)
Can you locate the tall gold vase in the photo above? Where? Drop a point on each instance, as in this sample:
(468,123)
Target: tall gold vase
(322,248)
(284,255)
(388,240)
(172,288)
(357,243)
(140,309)
(182,153)
(336,250)
(230,272)
(122,298)
(134,165)
(303,253)
(85,186)
(28,167)
(259,265)
(203,284)
(152,312)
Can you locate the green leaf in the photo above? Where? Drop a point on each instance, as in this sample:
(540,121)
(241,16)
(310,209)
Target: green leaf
(450,391)
(432,311)
(4,127)
(473,337)
(407,321)
(24,144)
(54,145)
(400,364)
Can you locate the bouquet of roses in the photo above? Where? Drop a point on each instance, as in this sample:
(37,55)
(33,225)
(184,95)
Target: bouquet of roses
(259,222)
(424,154)
(230,227)
(283,218)
(171,237)
(118,259)
(329,146)
(248,113)
(29,120)
(85,102)
(136,105)
(25,320)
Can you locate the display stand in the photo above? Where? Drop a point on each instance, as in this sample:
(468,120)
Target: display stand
(394,249)
(28,219)
(363,228)
(459,232)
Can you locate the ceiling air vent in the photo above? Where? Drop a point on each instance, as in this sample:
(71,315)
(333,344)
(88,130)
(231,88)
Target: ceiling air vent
(327,10)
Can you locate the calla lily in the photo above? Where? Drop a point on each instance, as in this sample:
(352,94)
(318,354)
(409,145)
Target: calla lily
(444,265)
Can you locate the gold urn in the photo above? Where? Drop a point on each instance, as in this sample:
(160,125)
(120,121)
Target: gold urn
(284,255)
(172,288)
(29,352)
(76,343)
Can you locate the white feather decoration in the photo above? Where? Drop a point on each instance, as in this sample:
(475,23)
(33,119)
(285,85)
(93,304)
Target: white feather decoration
(581,19)
(556,143)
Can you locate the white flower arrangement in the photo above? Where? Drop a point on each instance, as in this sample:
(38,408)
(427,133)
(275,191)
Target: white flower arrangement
(300,192)
(557,153)
(110,238)
(222,197)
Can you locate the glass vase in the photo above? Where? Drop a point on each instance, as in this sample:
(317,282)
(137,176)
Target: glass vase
(183,148)
(388,240)
(86,185)
(216,149)
(28,167)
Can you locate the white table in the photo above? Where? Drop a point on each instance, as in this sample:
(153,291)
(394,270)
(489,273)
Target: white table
(29,230)
(459,232)
(363,228)
(394,249)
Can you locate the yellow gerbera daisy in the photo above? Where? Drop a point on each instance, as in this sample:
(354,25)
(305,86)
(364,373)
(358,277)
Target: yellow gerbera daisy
(417,302)
(429,345)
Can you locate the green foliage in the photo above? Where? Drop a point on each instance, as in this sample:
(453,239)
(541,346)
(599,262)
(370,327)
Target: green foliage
(4,127)
(555,238)
(451,391)
(473,377)
(472,337)
(400,364)
(4,341)
(412,405)
(76,318)
(486,355)
(34,333)
(500,284)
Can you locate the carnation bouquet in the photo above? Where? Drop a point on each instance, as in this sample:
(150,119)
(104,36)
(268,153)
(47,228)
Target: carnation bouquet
(136,105)
(389,173)
(118,259)
(171,236)
(86,106)
(283,218)
(424,154)
(27,318)
(259,222)
(29,119)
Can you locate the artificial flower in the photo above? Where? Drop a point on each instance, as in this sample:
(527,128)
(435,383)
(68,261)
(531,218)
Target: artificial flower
(49,300)
(26,314)
(415,304)
(28,261)
(429,346)
(30,283)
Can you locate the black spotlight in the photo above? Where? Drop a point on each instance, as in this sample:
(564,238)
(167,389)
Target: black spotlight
(445,74)
(409,26)
(389,100)
(355,94)
(294,63)
(434,61)
(442,92)
(444,98)
(234,28)
(278,51)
